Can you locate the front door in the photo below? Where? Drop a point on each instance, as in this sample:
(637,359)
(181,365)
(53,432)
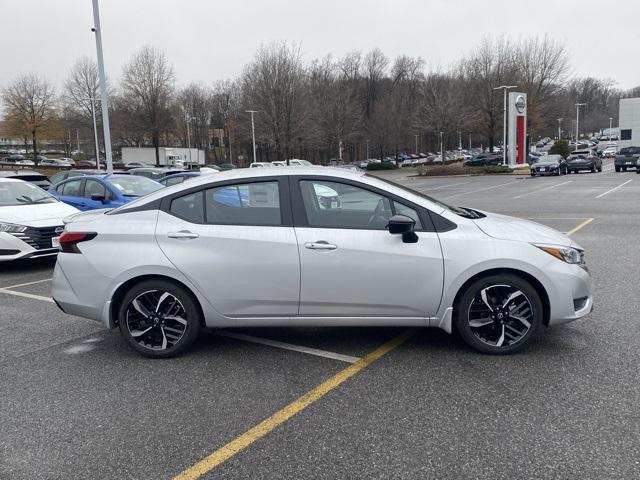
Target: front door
(352,266)
(234,245)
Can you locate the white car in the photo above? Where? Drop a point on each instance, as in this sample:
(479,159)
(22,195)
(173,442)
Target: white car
(275,247)
(610,151)
(30,220)
(260,165)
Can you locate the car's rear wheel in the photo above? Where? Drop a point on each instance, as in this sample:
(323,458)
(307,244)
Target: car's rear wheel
(624,169)
(159,319)
(617,169)
(499,314)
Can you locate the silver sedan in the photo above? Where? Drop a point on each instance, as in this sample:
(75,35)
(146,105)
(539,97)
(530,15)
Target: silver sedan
(264,247)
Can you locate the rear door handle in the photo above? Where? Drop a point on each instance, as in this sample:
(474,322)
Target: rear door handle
(185,234)
(320,245)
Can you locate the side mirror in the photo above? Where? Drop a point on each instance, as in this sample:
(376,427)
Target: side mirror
(403,225)
(98,198)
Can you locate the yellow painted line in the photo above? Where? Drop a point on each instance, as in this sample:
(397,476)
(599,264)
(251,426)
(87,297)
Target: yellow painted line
(266,426)
(580,226)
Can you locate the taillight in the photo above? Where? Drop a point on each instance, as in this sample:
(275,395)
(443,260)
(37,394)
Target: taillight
(69,240)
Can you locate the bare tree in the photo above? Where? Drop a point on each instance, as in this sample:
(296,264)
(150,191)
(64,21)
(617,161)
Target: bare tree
(274,84)
(225,110)
(148,86)
(29,106)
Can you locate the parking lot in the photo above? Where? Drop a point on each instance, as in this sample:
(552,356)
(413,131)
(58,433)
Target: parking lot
(76,402)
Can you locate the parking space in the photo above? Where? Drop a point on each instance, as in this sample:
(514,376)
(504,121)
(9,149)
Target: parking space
(342,402)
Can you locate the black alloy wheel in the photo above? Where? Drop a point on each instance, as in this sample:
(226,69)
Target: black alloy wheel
(159,319)
(499,314)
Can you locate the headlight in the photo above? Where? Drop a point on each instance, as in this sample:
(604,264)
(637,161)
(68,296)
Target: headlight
(566,254)
(11,228)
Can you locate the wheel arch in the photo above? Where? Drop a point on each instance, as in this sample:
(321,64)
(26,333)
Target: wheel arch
(121,291)
(535,283)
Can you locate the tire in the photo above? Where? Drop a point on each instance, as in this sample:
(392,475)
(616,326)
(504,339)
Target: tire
(485,336)
(600,169)
(617,169)
(593,169)
(533,174)
(169,332)
(624,169)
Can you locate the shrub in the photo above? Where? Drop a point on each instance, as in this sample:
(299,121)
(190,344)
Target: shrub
(380,166)
(560,147)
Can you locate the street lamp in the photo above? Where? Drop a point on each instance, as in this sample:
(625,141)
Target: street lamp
(504,120)
(253,135)
(103,87)
(560,128)
(95,129)
(610,127)
(578,105)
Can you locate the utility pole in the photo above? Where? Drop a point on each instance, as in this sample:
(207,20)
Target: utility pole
(578,105)
(95,130)
(253,135)
(504,120)
(560,128)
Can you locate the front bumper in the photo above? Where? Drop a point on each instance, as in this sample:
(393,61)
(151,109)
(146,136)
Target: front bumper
(570,297)
(14,248)
(545,172)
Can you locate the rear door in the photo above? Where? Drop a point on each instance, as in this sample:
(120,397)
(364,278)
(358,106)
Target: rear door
(235,242)
(70,192)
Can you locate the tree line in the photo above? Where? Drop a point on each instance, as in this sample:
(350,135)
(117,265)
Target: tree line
(363,104)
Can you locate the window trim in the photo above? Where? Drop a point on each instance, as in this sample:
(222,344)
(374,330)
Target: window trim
(300,214)
(283,190)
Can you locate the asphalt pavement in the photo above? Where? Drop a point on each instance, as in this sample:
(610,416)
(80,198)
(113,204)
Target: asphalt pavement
(76,403)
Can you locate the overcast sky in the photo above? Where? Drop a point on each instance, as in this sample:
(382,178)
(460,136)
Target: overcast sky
(208,40)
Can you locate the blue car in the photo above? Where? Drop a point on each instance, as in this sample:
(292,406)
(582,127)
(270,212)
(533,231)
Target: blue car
(102,191)
(177,178)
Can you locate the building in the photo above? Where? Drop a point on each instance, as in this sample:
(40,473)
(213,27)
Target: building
(629,120)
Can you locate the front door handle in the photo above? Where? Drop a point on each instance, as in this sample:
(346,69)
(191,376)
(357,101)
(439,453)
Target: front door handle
(183,234)
(320,245)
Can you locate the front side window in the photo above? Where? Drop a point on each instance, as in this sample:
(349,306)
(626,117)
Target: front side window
(92,187)
(255,203)
(339,205)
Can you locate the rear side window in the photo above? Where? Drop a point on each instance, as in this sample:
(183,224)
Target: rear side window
(256,203)
(189,207)
(71,188)
(91,187)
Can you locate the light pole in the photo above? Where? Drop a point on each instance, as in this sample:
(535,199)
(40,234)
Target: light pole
(367,149)
(103,87)
(253,136)
(459,140)
(469,141)
(504,120)
(578,105)
(416,149)
(188,119)
(340,150)
(441,148)
(610,127)
(95,130)
(560,128)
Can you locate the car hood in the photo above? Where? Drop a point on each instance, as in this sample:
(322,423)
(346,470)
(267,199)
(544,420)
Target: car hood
(39,215)
(504,227)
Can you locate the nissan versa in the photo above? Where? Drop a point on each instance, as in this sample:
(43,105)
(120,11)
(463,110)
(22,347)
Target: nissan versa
(261,247)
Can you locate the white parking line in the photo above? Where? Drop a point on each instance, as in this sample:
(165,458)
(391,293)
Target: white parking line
(480,190)
(28,283)
(614,189)
(288,346)
(543,189)
(27,295)
(446,186)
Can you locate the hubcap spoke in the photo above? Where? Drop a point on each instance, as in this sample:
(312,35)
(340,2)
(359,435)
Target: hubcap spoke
(500,315)
(160,327)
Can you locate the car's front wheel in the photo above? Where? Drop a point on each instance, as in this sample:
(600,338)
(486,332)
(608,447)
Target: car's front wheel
(159,319)
(499,314)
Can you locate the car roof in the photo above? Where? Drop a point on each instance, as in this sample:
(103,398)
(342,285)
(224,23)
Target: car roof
(13,173)
(9,180)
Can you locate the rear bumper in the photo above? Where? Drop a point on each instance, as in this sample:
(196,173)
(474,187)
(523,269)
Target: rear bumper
(577,168)
(69,302)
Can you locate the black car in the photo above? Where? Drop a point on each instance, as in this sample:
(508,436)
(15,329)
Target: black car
(30,176)
(627,157)
(583,160)
(155,173)
(227,166)
(483,160)
(549,165)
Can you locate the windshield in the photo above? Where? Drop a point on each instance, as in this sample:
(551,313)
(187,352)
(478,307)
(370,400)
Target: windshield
(22,193)
(134,186)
